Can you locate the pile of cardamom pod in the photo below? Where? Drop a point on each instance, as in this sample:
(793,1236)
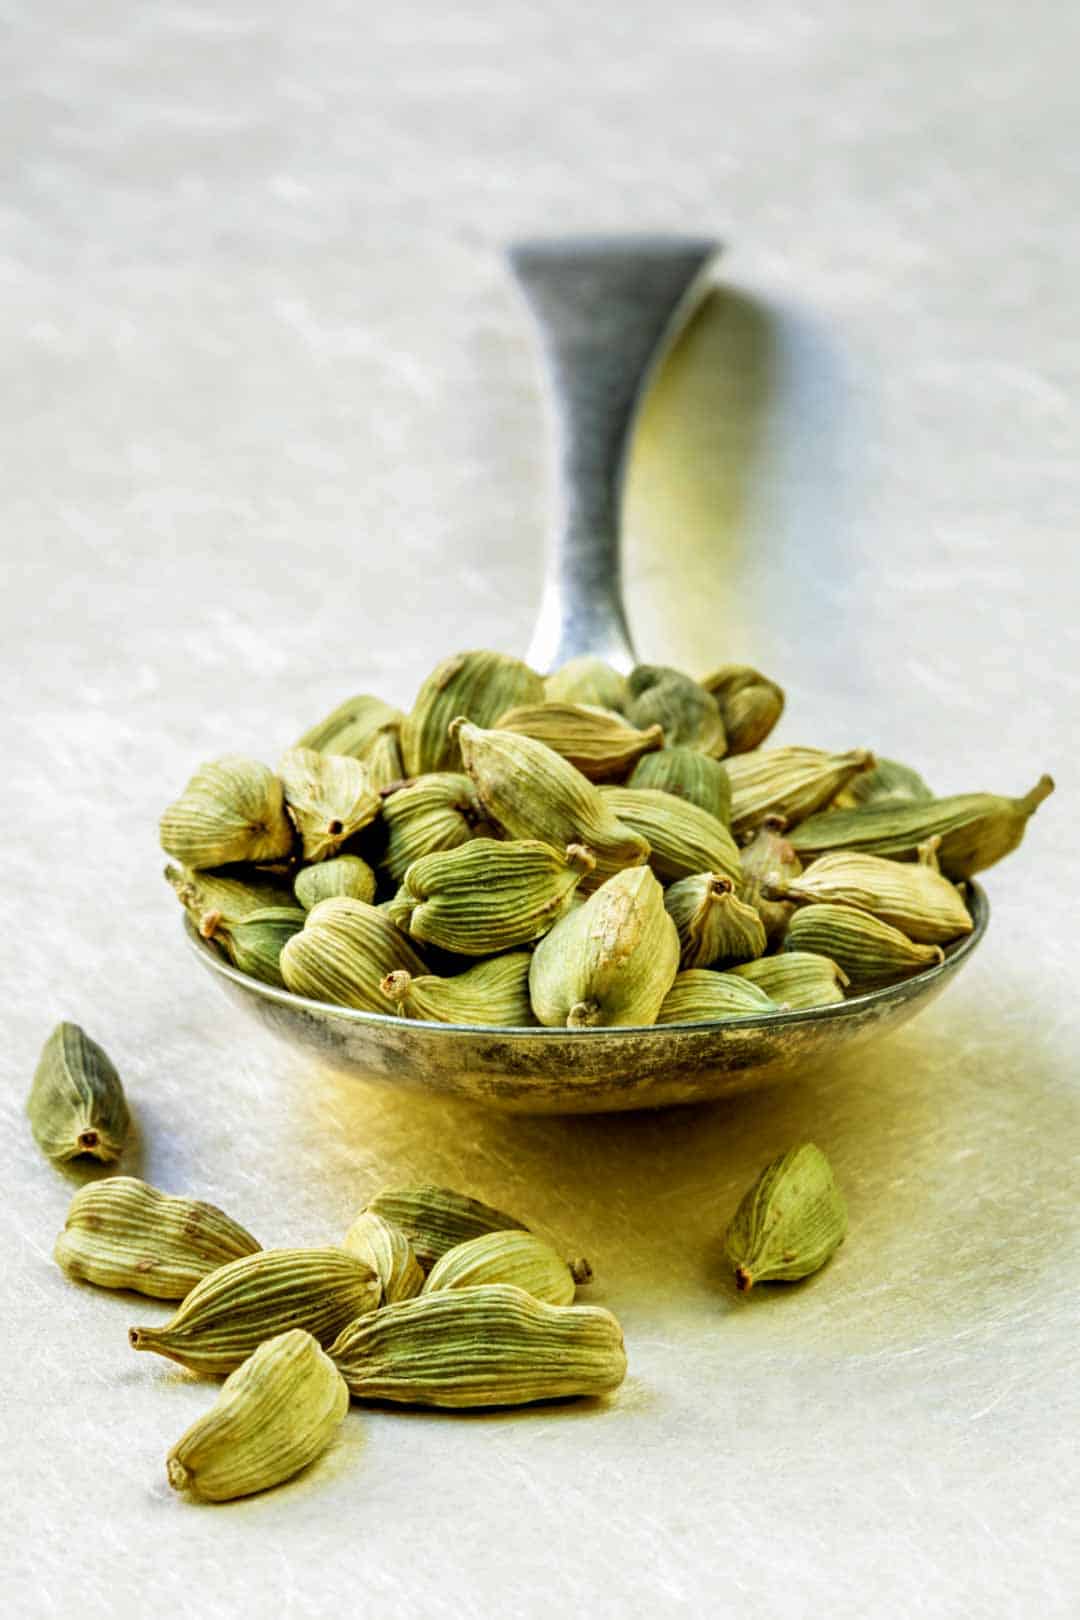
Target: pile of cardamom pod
(589,849)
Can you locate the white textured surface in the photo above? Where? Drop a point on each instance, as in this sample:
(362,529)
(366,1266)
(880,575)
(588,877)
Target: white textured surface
(272,433)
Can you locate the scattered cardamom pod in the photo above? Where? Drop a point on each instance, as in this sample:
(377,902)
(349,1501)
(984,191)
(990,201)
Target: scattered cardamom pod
(254,943)
(122,1233)
(682,838)
(436,1219)
(275,1414)
(686,774)
(688,715)
(349,728)
(512,1257)
(749,704)
(388,1252)
(713,924)
(232,809)
(329,797)
(796,979)
(233,1310)
(478,685)
(344,952)
(699,994)
(599,742)
(888,783)
(910,895)
(789,1222)
(788,782)
(491,992)
(870,952)
(610,961)
(344,877)
(77,1104)
(492,1345)
(768,861)
(588,680)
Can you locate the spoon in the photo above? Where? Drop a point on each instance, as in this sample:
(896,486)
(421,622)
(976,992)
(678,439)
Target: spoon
(606,311)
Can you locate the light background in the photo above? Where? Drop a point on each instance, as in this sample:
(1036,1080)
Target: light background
(272,433)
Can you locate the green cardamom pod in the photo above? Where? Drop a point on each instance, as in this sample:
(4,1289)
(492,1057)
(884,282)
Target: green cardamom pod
(381,757)
(682,838)
(344,952)
(237,1307)
(489,896)
(749,704)
(532,792)
(345,877)
(493,1345)
(588,680)
(976,829)
(329,797)
(870,952)
(713,924)
(686,774)
(789,1222)
(610,961)
(235,898)
(699,995)
(512,1257)
(389,1253)
(599,742)
(492,992)
(688,715)
(796,979)
(910,895)
(349,728)
(121,1233)
(254,943)
(77,1103)
(768,861)
(788,782)
(276,1413)
(436,1219)
(232,809)
(438,811)
(478,685)
(888,783)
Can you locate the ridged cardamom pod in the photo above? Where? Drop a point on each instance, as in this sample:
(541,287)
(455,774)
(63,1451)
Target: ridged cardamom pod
(599,742)
(796,979)
(345,877)
(237,1307)
(344,952)
(492,992)
(713,924)
(788,782)
(388,1251)
(976,829)
(76,1103)
(610,961)
(533,792)
(699,994)
(275,1414)
(768,861)
(439,811)
(517,1258)
(489,896)
(688,715)
(478,685)
(381,757)
(749,703)
(789,1222)
(255,942)
(436,1219)
(870,952)
(329,797)
(122,1233)
(234,898)
(888,783)
(486,1346)
(910,895)
(682,838)
(588,680)
(686,774)
(232,809)
(349,728)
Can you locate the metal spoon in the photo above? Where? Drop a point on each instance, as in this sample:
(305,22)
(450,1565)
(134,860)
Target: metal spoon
(606,311)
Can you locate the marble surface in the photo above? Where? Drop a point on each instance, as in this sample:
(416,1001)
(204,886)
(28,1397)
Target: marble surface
(272,432)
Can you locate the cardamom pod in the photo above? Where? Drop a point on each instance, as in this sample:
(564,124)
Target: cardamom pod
(493,1345)
(749,704)
(121,1233)
(381,757)
(599,742)
(532,792)
(713,924)
(235,898)
(478,685)
(588,680)
(349,728)
(329,797)
(488,896)
(77,1103)
(888,783)
(436,1219)
(796,979)
(682,838)
(686,774)
(438,811)
(699,995)
(229,1313)
(788,782)
(512,1257)
(232,809)
(388,1252)
(254,943)
(492,992)
(910,895)
(688,715)
(275,1414)
(343,877)
(789,1222)
(768,861)
(870,952)
(976,829)
(610,961)
(344,952)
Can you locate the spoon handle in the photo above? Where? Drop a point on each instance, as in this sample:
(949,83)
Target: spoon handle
(605,309)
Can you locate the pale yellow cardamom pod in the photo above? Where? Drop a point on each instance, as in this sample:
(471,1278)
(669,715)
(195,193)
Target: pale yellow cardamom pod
(510,1257)
(598,741)
(349,728)
(700,994)
(796,979)
(76,1103)
(479,685)
(234,898)
(329,797)
(436,1219)
(387,1249)
(232,809)
(682,838)
(495,992)
(909,895)
(713,924)
(870,952)
(788,782)
(789,1222)
(344,952)
(588,680)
